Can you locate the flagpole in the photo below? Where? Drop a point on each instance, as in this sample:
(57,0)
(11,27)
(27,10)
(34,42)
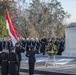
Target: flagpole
(7,35)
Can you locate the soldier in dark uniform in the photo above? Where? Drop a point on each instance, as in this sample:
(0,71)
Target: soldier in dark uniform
(37,46)
(23,42)
(4,63)
(43,44)
(0,49)
(10,44)
(13,61)
(27,46)
(62,43)
(0,61)
(19,50)
(0,45)
(31,61)
(3,43)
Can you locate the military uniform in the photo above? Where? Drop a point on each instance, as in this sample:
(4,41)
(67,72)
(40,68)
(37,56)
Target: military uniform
(31,61)
(19,50)
(0,45)
(10,44)
(43,44)
(61,49)
(27,46)
(13,61)
(4,63)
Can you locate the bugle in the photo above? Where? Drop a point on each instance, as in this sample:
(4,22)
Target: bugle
(22,47)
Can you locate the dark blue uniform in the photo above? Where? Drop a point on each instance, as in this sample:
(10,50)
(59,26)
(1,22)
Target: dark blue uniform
(31,61)
(0,45)
(10,44)
(27,46)
(43,44)
(61,47)
(4,63)
(19,50)
(3,43)
(12,59)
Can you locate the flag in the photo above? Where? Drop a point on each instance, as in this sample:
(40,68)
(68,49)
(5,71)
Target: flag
(11,30)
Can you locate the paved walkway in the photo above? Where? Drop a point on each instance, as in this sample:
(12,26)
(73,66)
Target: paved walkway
(64,65)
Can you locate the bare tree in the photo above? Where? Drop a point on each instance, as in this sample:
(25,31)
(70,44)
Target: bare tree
(47,18)
(38,18)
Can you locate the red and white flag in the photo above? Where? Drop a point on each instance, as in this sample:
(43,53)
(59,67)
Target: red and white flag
(11,30)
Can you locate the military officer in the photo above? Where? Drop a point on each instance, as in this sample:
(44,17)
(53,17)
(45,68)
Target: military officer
(31,61)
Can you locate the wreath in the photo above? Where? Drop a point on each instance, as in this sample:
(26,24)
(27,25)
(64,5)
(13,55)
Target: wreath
(51,49)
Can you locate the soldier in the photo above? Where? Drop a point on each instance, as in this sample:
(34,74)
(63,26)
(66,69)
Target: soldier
(13,62)
(3,43)
(10,44)
(27,46)
(19,50)
(4,63)
(43,44)
(0,45)
(61,49)
(31,61)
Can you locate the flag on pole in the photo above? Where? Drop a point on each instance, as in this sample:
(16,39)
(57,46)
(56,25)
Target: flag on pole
(11,30)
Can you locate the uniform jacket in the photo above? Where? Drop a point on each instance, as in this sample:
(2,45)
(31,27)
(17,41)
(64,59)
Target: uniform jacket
(31,56)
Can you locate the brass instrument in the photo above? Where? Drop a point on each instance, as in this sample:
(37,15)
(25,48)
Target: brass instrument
(22,47)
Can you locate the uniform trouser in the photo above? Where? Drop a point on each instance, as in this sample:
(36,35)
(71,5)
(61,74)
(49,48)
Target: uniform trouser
(19,67)
(12,68)
(31,68)
(4,67)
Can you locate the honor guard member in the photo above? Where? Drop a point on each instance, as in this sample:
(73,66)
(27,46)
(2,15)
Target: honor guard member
(0,60)
(19,50)
(4,63)
(10,44)
(61,48)
(13,61)
(0,45)
(31,61)
(27,45)
(43,45)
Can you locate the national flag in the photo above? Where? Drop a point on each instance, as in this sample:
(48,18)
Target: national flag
(11,30)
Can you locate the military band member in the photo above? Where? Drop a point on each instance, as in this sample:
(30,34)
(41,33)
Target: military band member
(27,46)
(19,50)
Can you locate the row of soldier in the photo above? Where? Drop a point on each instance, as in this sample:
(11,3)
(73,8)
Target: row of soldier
(39,48)
(39,44)
(10,61)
